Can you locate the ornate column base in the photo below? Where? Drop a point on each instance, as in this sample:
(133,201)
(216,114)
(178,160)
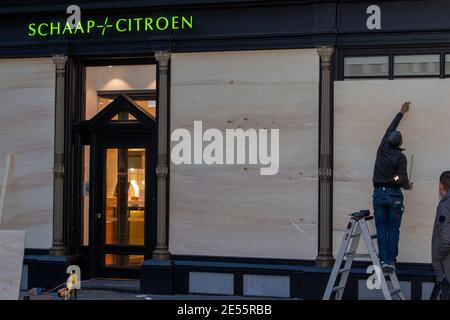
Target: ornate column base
(324,260)
(58,249)
(161,253)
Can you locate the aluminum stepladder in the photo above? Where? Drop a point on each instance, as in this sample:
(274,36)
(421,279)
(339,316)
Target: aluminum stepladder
(356,227)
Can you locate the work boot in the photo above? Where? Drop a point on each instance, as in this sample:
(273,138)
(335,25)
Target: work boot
(389,268)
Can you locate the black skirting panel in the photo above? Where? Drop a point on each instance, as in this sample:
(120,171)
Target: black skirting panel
(233,276)
(289,279)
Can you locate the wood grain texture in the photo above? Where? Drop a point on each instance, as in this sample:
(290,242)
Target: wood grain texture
(26,129)
(363,110)
(12,246)
(231,210)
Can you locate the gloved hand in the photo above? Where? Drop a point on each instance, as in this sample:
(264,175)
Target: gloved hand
(405,107)
(409,186)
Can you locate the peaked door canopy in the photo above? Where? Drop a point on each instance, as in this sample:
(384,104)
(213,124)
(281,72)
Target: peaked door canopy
(122,105)
(122,116)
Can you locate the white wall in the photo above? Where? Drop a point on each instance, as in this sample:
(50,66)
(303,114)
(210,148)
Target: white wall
(229,211)
(26,129)
(363,110)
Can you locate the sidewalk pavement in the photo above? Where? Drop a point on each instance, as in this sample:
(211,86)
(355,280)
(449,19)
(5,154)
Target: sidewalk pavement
(125,289)
(89,294)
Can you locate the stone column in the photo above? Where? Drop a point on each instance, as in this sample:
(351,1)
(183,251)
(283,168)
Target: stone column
(325,255)
(162,170)
(58,247)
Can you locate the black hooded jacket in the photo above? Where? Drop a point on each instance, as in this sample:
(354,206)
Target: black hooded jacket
(391,165)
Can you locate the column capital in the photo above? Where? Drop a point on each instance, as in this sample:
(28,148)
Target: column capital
(59,60)
(325,53)
(163,58)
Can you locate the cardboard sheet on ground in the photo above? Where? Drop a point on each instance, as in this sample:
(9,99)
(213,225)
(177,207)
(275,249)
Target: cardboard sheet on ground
(12,246)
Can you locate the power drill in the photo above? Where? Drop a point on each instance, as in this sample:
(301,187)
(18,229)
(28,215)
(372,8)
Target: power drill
(360,214)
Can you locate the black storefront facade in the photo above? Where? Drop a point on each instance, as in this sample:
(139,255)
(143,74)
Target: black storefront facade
(140,33)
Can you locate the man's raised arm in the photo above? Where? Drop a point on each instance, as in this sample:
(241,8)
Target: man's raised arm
(398,117)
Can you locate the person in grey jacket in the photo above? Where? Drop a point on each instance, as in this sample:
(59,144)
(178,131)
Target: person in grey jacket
(440,247)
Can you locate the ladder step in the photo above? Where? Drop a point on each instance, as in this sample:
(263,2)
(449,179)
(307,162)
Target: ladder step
(355,235)
(373,236)
(362,255)
(395,292)
(338,288)
(344,270)
(358,255)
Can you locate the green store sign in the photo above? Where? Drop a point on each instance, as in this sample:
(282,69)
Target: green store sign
(116,25)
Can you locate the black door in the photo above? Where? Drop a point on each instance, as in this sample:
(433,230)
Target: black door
(122,224)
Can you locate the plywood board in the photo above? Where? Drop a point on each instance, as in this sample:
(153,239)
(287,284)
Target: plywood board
(12,246)
(232,210)
(26,127)
(363,110)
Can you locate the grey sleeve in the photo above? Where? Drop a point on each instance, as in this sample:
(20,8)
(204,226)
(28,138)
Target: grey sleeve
(443,231)
(438,272)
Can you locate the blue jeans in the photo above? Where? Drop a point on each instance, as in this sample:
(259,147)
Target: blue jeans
(388,211)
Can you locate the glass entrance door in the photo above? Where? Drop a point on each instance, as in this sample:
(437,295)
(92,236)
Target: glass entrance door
(121,145)
(124,197)
(123,204)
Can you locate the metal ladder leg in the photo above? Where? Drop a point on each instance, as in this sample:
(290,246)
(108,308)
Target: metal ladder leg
(396,290)
(349,258)
(352,235)
(387,293)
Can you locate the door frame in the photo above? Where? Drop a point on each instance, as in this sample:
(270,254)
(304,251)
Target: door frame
(97,233)
(99,130)
(78,134)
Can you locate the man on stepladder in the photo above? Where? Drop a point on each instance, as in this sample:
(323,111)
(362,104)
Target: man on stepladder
(389,176)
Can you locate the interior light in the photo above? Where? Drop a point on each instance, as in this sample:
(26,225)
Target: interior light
(109,66)
(135,186)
